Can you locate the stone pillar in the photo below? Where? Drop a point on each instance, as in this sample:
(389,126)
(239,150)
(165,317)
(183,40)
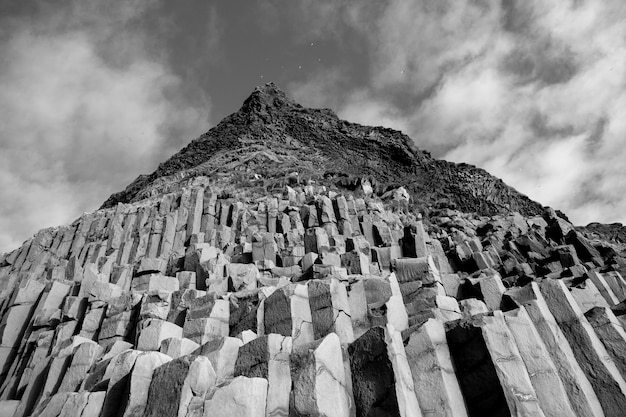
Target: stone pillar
(405,391)
(579,389)
(302,323)
(334,398)
(436,386)
(611,333)
(541,369)
(604,376)
(373,380)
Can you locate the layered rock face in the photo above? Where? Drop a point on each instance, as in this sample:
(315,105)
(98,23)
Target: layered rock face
(245,285)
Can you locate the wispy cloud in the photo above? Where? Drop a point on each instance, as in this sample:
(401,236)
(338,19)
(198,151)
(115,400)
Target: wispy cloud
(532,91)
(84,108)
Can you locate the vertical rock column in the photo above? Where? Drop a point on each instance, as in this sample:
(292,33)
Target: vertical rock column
(475,370)
(268,357)
(178,385)
(278,375)
(414,241)
(320,384)
(302,323)
(373,380)
(15,321)
(589,352)
(598,279)
(611,333)
(196,206)
(435,382)
(322,313)
(332,393)
(277,314)
(579,390)
(405,391)
(396,311)
(115,379)
(512,372)
(140,380)
(342,324)
(541,369)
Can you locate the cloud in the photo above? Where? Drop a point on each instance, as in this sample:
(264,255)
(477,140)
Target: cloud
(313,19)
(83,112)
(532,91)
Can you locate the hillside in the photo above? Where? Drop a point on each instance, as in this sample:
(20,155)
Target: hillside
(273,136)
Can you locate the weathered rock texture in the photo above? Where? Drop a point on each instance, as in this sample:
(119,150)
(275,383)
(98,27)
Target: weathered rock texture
(290,263)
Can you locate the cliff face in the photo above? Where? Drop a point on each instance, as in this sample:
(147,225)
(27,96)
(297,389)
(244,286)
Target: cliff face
(284,137)
(279,265)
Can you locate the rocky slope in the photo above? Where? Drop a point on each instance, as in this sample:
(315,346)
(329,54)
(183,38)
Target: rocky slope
(272,136)
(245,277)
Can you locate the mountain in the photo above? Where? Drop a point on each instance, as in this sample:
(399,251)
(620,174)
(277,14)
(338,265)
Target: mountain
(271,136)
(291,263)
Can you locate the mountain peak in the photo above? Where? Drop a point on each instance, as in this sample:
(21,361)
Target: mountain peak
(267,98)
(269,90)
(272,136)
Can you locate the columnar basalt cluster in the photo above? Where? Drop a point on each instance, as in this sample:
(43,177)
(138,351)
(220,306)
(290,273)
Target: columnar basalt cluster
(241,288)
(309,302)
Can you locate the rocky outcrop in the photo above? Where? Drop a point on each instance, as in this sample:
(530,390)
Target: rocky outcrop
(282,141)
(217,298)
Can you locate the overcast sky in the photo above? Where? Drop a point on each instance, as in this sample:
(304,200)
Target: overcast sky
(94,93)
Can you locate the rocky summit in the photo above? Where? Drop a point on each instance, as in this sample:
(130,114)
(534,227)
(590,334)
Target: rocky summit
(289,263)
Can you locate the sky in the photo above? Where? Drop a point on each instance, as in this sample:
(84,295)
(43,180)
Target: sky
(94,92)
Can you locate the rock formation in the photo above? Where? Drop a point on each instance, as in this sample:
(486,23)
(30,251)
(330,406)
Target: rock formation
(291,263)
